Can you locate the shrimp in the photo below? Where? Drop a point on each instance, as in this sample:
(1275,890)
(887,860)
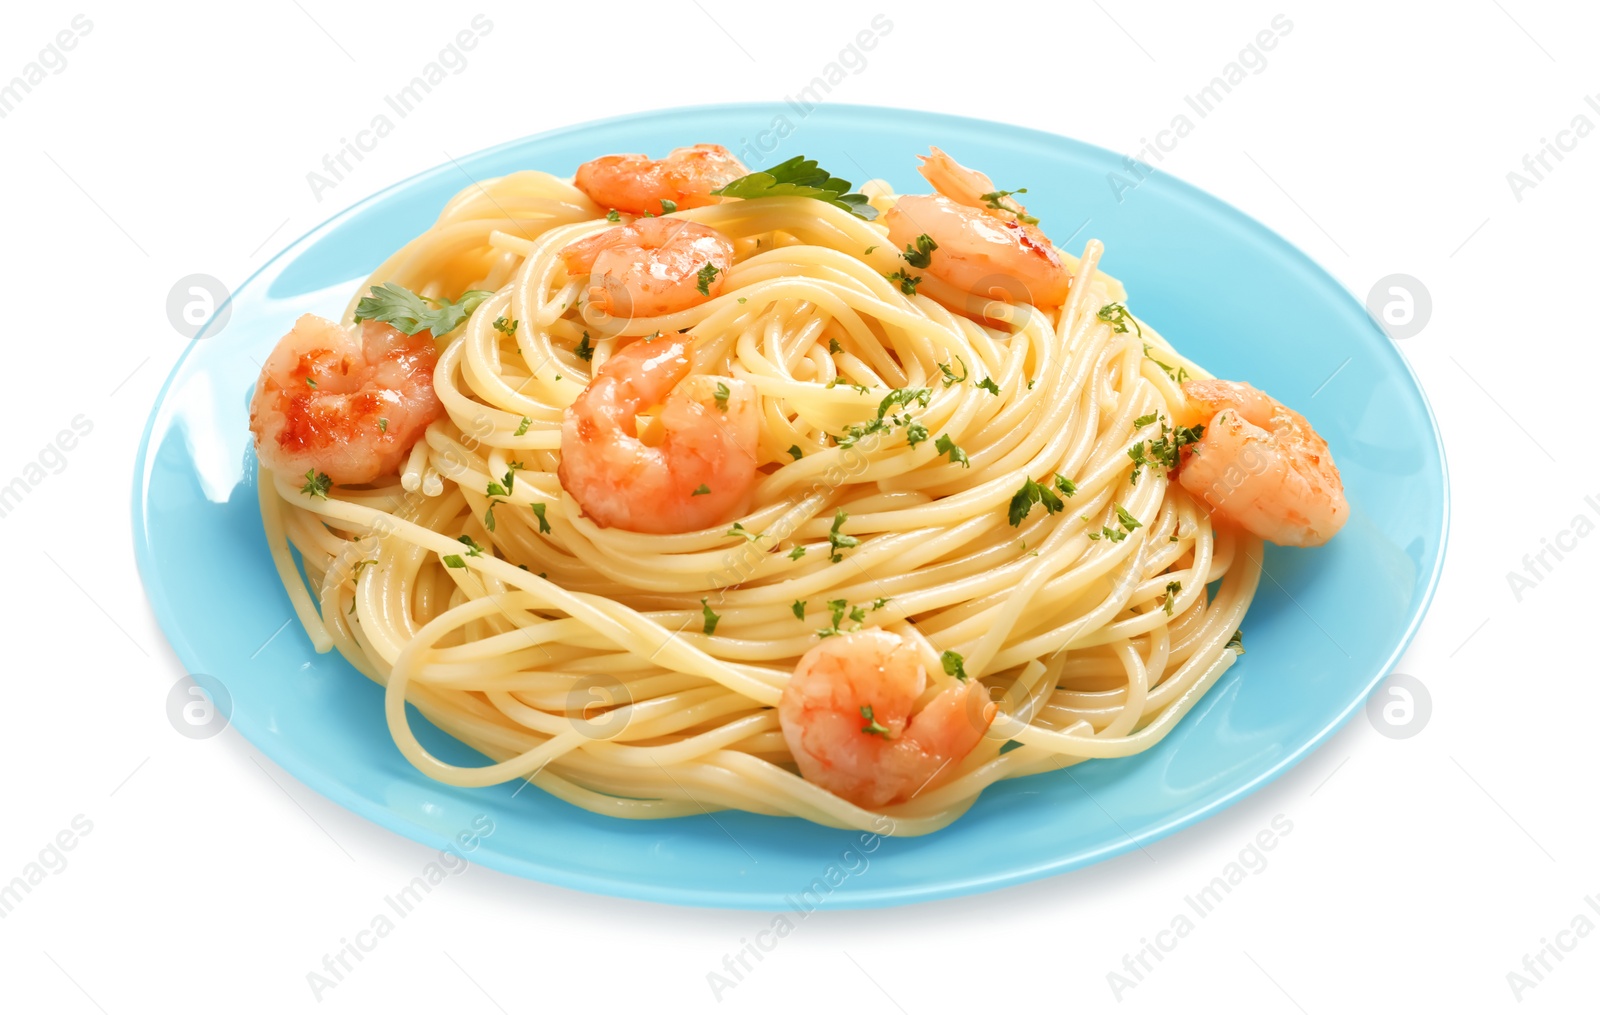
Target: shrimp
(1260,465)
(639,185)
(846,715)
(990,247)
(348,402)
(695,466)
(651,267)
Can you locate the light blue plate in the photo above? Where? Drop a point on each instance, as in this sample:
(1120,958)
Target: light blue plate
(1326,628)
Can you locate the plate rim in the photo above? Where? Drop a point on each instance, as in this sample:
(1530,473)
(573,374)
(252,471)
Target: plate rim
(323,783)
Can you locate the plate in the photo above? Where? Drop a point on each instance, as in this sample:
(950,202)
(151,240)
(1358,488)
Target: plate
(1326,627)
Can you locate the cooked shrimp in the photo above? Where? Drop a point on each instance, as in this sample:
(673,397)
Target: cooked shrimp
(348,402)
(696,465)
(1260,465)
(654,266)
(638,185)
(846,715)
(986,248)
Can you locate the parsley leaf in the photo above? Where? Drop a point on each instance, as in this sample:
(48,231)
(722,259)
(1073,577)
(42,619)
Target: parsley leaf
(711,618)
(668,207)
(739,530)
(1118,317)
(838,540)
(584,350)
(950,375)
(994,198)
(916,433)
(472,545)
(945,446)
(706,276)
(954,664)
(800,177)
(453,560)
(904,397)
(798,608)
(522,427)
(1032,493)
(908,283)
(1065,485)
(538,510)
(1126,520)
(317,484)
(873,726)
(721,396)
(409,313)
(613,216)
(504,326)
(990,386)
(795,452)
(922,255)
(797,553)
(1147,419)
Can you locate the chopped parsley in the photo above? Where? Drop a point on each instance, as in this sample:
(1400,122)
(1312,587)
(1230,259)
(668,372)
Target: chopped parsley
(1032,493)
(538,510)
(834,348)
(584,350)
(317,484)
(800,177)
(453,560)
(908,283)
(711,618)
(838,540)
(922,254)
(383,424)
(945,446)
(1146,420)
(916,433)
(954,664)
(1126,519)
(795,452)
(739,530)
(994,198)
(1165,451)
(409,313)
(798,608)
(1065,485)
(990,386)
(721,396)
(668,207)
(870,249)
(1118,317)
(1178,374)
(797,553)
(1236,642)
(613,216)
(472,545)
(950,375)
(310,381)
(522,427)
(873,726)
(701,490)
(706,276)
(1173,590)
(504,326)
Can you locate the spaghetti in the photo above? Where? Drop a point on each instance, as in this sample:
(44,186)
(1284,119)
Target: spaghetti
(973,475)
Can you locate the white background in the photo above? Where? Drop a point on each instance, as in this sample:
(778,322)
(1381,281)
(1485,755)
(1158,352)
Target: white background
(1419,872)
